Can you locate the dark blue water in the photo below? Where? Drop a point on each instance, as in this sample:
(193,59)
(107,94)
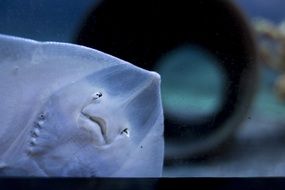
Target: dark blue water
(270,9)
(43,20)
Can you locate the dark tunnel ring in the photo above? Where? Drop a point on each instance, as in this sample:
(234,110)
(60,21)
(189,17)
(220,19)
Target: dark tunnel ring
(144,30)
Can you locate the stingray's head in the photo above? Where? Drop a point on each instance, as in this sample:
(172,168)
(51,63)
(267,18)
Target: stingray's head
(107,124)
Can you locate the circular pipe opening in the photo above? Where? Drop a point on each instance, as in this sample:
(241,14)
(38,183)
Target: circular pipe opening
(151,34)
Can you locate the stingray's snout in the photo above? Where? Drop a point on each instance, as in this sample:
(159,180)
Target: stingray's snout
(156,76)
(124,102)
(143,105)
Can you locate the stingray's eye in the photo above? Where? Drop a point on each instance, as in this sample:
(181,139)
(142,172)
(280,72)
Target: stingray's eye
(125,132)
(97,95)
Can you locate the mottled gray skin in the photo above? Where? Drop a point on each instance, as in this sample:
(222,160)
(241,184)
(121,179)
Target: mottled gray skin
(68,110)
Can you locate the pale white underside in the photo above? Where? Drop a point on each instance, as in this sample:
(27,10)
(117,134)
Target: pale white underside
(59,79)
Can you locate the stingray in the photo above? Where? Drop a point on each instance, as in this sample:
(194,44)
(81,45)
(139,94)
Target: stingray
(68,110)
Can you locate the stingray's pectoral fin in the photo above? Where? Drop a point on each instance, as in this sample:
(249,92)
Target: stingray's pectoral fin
(68,110)
(11,171)
(2,165)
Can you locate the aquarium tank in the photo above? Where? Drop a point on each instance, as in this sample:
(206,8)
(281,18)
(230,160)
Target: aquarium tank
(221,67)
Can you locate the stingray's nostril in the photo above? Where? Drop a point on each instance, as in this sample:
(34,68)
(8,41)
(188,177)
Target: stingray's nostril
(125,132)
(97,95)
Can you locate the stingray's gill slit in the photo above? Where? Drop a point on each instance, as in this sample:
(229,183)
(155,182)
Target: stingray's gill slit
(42,116)
(35,132)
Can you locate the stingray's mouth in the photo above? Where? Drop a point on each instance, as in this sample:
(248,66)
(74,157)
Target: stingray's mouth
(99,121)
(95,125)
